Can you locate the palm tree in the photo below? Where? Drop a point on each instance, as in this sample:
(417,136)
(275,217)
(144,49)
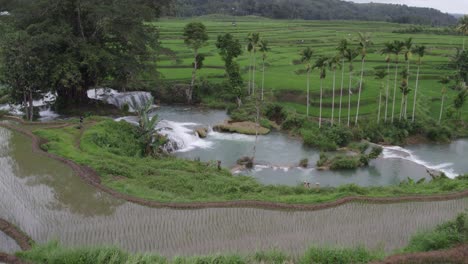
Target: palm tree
(364,43)
(380,75)
(321,64)
(397,49)
(350,55)
(263,47)
(388,51)
(253,40)
(334,63)
(408,54)
(420,51)
(444,81)
(342,47)
(463,27)
(405,90)
(306,58)
(460,101)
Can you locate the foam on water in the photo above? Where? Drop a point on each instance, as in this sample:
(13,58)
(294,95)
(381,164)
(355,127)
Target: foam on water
(231,137)
(395,152)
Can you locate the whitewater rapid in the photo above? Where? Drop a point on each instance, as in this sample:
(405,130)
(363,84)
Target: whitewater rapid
(395,152)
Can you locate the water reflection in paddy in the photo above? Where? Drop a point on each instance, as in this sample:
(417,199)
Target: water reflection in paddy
(49,202)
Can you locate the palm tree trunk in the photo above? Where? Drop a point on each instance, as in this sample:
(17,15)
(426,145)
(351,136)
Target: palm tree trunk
(333,97)
(308,92)
(349,96)
(394,91)
(387,91)
(380,107)
(360,90)
(189,93)
(405,114)
(321,96)
(416,93)
(441,109)
(31,107)
(402,105)
(250,70)
(263,77)
(253,73)
(341,91)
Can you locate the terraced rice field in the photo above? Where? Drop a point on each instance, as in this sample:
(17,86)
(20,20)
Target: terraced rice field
(48,202)
(7,244)
(287,80)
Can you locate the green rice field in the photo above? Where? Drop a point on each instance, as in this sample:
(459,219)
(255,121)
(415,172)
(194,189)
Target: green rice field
(287,80)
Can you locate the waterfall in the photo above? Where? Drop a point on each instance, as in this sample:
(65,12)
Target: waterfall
(394,152)
(181,136)
(118,99)
(44,104)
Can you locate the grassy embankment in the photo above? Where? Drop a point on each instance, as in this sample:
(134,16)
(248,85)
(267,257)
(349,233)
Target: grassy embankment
(114,151)
(285,80)
(444,236)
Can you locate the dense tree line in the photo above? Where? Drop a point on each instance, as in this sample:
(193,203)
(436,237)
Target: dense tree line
(70,46)
(312,10)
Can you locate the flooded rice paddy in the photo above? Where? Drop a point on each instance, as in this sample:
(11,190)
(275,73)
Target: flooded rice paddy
(48,202)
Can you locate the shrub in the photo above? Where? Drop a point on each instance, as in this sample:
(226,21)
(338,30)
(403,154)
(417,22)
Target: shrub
(323,160)
(275,112)
(339,256)
(293,121)
(342,162)
(443,237)
(314,138)
(304,163)
(439,134)
(375,152)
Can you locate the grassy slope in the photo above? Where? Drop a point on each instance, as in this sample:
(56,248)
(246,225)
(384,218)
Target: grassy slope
(112,149)
(286,37)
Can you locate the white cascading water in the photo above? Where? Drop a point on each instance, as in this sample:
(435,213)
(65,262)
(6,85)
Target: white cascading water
(119,99)
(395,152)
(44,105)
(182,136)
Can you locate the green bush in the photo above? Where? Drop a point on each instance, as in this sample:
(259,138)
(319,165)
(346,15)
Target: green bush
(314,138)
(340,256)
(443,236)
(342,162)
(293,121)
(275,112)
(375,152)
(439,134)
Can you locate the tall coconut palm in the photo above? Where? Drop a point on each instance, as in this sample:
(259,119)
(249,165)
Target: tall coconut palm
(306,58)
(463,27)
(333,64)
(264,49)
(397,49)
(350,55)
(380,75)
(459,102)
(321,63)
(420,51)
(387,51)
(444,81)
(253,40)
(405,90)
(342,48)
(364,43)
(408,49)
